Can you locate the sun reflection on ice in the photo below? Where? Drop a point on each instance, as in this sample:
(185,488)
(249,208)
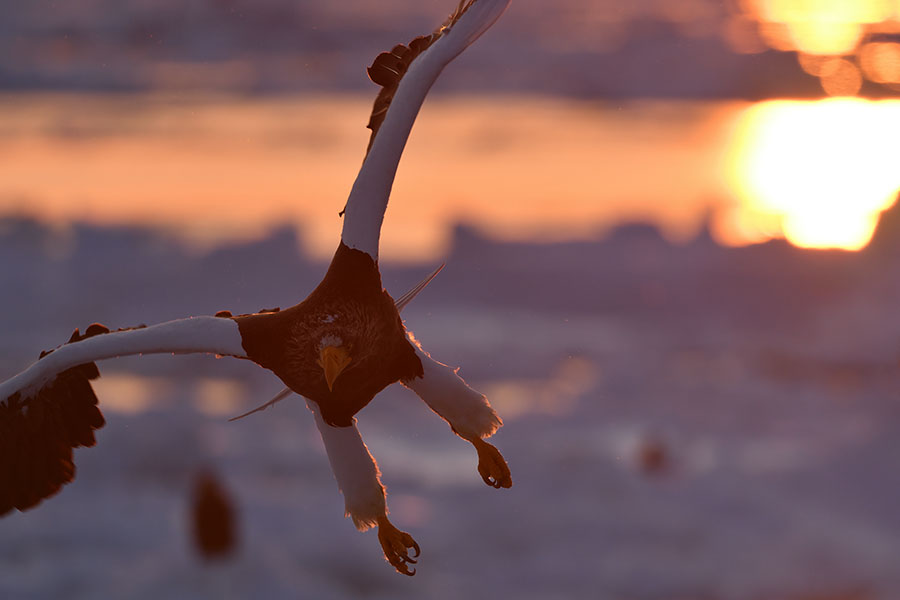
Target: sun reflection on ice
(823,171)
(830,38)
(821,27)
(219,397)
(132,394)
(573,377)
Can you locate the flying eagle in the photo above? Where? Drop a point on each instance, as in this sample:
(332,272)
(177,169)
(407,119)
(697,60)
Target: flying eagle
(338,348)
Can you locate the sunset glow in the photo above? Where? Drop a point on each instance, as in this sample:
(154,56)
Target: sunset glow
(221,169)
(833,39)
(823,170)
(832,27)
(818,173)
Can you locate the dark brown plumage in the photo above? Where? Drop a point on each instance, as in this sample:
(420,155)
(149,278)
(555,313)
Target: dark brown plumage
(213,519)
(388,69)
(349,305)
(37,435)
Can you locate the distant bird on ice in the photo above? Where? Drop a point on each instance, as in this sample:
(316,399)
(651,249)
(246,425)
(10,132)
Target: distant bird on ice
(338,348)
(213,520)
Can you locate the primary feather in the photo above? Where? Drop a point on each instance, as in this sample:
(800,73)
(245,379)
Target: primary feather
(406,73)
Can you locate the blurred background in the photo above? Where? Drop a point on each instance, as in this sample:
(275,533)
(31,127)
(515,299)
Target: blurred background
(672,245)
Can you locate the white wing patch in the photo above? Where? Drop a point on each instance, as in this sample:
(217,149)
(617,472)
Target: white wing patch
(212,335)
(411,72)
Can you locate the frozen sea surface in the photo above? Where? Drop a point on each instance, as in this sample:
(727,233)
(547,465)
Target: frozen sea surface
(766,379)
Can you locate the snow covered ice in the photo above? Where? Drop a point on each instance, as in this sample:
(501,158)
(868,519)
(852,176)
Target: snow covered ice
(766,376)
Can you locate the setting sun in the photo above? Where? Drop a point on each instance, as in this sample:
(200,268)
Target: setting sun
(824,27)
(835,40)
(825,170)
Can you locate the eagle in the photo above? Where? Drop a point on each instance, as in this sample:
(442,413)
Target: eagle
(338,348)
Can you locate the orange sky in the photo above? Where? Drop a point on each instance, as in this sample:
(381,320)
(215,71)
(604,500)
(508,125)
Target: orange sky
(535,168)
(518,167)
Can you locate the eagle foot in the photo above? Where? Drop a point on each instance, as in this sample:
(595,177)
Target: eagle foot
(492,466)
(396,545)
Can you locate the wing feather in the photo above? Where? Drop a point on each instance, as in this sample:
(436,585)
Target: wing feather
(50,408)
(388,68)
(406,73)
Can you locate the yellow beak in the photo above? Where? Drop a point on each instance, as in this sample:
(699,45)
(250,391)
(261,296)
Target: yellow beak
(333,360)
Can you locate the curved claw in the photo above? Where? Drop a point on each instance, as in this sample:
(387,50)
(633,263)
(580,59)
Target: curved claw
(395,545)
(492,466)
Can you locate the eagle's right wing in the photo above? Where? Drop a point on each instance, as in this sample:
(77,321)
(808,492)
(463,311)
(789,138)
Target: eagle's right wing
(406,73)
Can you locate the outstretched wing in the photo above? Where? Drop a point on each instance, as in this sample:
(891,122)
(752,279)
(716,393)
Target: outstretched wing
(50,408)
(406,73)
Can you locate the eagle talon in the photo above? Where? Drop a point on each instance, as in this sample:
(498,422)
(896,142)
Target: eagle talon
(395,545)
(492,466)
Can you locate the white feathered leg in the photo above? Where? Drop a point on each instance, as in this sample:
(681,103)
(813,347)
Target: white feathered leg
(466,410)
(359,481)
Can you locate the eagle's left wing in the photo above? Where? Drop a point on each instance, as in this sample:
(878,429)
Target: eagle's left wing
(50,408)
